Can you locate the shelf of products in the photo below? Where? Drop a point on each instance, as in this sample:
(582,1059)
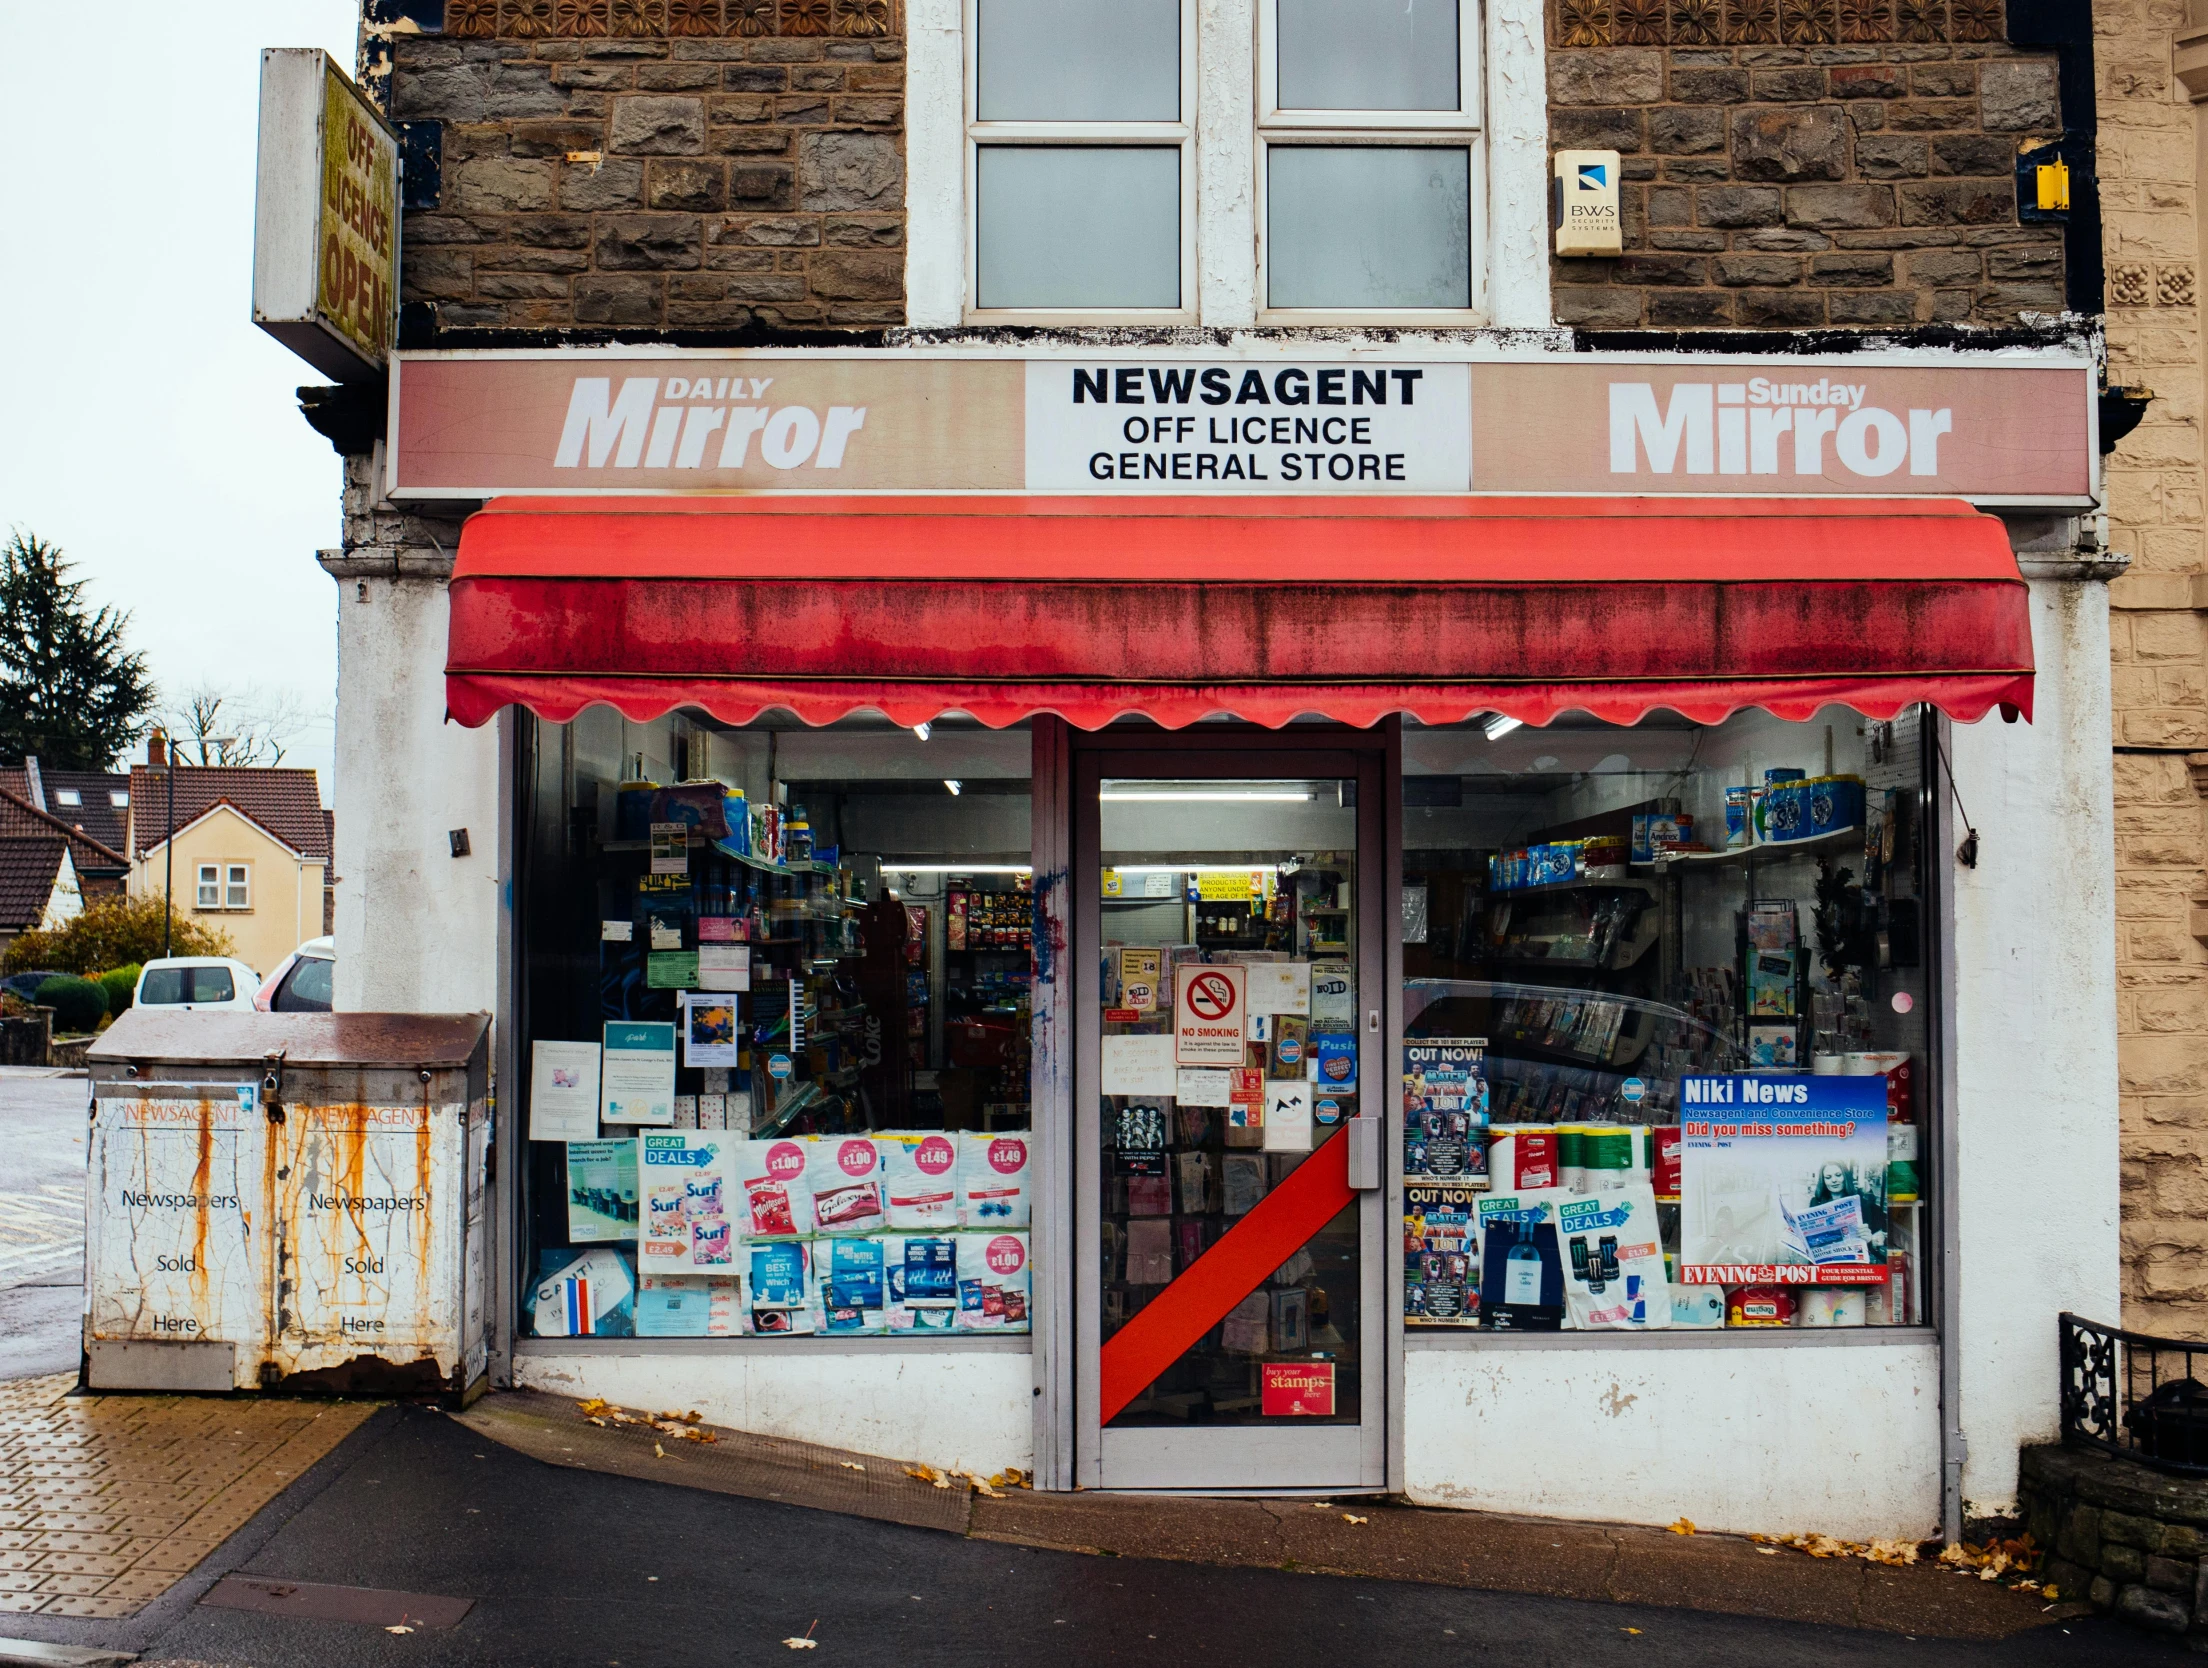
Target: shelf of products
(1816,845)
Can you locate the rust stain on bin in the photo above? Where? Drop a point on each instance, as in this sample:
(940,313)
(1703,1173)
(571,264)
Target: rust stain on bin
(421,1179)
(203,1181)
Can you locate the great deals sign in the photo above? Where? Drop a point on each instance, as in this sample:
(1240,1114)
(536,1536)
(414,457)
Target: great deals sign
(473,425)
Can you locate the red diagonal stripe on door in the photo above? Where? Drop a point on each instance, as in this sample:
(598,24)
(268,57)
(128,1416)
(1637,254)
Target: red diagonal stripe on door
(1316,1192)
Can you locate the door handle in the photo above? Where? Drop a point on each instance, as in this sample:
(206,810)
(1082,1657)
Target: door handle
(1364,1154)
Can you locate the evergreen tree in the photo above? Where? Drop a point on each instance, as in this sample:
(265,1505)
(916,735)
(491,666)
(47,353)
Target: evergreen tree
(70,692)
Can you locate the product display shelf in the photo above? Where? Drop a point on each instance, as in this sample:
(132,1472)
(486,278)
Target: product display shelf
(1618,883)
(1624,958)
(1628,1047)
(1766,850)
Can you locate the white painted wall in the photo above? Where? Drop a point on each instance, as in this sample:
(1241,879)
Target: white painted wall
(1517,118)
(417,928)
(935,164)
(1839,1438)
(952,1410)
(2034,1016)
(1226,163)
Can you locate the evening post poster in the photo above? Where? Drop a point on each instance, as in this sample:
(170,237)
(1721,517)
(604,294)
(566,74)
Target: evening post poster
(1782,1181)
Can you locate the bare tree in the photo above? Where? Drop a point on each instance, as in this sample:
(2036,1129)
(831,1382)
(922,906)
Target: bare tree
(249,726)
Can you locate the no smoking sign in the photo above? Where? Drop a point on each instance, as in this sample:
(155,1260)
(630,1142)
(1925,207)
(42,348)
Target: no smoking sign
(1208,1007)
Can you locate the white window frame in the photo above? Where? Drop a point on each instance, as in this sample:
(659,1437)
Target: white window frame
(71,797)
(209,890)
(237,886)
(1179,135)
(1459,129)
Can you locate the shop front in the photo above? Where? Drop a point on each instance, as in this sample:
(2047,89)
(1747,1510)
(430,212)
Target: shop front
(1262,924)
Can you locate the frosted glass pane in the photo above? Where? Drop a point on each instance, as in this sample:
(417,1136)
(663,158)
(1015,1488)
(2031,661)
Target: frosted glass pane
(1368,226)
(1368,55)
(1079,226)
(1079,60)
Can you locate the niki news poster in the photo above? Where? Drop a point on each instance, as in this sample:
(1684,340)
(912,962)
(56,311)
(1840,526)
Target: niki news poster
(1782,1181)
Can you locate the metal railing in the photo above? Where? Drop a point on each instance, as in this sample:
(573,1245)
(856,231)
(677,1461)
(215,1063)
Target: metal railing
(2136,1395)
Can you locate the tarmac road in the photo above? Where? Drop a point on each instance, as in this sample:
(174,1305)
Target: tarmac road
(42,1135)
(576,1569)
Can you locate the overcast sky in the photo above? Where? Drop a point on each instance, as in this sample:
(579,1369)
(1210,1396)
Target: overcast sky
(147,427)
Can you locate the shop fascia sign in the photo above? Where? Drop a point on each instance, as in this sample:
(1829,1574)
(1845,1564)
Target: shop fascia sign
(325,217)
(2012,429)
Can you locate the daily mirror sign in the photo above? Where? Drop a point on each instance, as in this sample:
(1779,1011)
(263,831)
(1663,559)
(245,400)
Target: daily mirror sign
(2016,430)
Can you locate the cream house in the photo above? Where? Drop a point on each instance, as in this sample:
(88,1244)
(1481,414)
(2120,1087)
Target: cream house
(252,853)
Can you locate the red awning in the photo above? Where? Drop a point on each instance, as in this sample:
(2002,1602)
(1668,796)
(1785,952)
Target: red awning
(1181,608)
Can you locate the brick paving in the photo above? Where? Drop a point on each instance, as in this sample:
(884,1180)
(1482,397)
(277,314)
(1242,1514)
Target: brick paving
(107,1501)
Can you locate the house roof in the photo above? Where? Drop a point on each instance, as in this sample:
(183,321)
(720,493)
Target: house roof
(284,801)
(21,820)
(28,869)
(96,814)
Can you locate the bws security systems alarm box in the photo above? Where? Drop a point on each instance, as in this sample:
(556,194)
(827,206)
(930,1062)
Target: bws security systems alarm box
(1583,199)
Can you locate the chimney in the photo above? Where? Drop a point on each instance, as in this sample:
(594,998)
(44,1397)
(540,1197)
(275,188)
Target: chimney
(157,752)
(33,782)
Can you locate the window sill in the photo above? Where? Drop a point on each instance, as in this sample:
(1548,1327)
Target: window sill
(1373,318)
(1018,1343)
(1422,1340)
(1081,318)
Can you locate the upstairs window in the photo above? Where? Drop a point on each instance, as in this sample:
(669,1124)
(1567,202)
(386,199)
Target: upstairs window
(1365,166)
(1368,156)
(1079,148)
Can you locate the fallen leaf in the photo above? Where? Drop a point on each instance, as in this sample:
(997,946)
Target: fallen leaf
(851,1465)
(2050,1594)
(398,1627)
(802,1644)
(657,1449)
(1350,1518)
(1685,1526)
(1768,1551)
(596,1404)
(1631,1630)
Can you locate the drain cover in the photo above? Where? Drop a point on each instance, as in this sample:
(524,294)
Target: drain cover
(318,1602)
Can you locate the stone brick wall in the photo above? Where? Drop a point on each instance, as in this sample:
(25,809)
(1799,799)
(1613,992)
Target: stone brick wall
(2150,241)
(701,165)
(1811,163)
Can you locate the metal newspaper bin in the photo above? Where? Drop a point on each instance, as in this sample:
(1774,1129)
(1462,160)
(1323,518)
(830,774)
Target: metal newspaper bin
(288,1201)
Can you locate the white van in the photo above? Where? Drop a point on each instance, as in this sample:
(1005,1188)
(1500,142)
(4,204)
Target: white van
(196,982)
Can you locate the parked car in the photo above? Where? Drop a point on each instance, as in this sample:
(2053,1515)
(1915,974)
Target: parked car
(196,982)
(302,980)
(25,985)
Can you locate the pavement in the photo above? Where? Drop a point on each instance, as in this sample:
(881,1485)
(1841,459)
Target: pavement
(553,1565)
(42,1152)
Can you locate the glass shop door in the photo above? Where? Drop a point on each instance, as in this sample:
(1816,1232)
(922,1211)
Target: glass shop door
(1229,1108)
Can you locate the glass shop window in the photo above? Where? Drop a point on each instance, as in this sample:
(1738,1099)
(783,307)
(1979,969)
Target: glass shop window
(777,984)
(1665,999)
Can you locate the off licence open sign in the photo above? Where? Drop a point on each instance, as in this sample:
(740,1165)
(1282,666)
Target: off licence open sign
(1208,1005)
